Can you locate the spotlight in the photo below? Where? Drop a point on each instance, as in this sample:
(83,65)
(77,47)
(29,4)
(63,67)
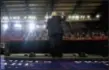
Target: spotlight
(32,17)
(31,27)
(13,64)
(82,17)
(97,16)
(14,17)
(26,64)
(73,17)
(88,16)
(36,61)
(5,26)
(17,26)
(77,17)
(5,63)
(19,64)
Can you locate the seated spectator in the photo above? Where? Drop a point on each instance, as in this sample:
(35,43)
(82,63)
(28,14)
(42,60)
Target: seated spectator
(88,37)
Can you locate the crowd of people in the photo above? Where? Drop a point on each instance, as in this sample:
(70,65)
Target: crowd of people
(76,36)
(43,35)
(86,36)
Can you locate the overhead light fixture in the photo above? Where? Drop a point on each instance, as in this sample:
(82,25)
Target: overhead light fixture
(73,17)
(32,17)
(19,64)
(16,17)
(82,17)
(13,64)
(88,16)
(76,17)
(97,16)
(26,64)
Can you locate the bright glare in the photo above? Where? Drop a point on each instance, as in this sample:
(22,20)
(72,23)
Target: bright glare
(5,26)
(31,27)
(26,64)
(73,17)
(97,16)
(77,17)
(16,17)
(13,64)
(17,26)
(46,17)
(5,18)
(5,63)
(19,64)
(88,16)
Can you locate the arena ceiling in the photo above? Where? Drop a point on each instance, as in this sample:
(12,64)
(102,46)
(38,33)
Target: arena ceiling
(40,8)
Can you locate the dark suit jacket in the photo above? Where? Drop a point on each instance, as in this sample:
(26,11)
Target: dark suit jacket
(54,26)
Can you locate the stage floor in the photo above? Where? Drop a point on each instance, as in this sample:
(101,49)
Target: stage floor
(14,63)
(54,65)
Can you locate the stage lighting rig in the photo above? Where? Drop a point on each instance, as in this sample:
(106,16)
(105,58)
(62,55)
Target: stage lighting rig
(18,26)
(97,16)
(5,26)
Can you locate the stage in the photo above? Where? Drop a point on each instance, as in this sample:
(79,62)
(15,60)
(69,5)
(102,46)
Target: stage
(41,62)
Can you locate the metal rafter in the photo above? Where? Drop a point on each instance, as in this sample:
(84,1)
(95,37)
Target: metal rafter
(27,7)
(76,6)
(6,10)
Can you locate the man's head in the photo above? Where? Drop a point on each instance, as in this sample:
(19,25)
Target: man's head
(54,13)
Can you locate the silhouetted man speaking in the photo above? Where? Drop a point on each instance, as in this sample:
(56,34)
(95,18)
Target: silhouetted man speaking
(55,33)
